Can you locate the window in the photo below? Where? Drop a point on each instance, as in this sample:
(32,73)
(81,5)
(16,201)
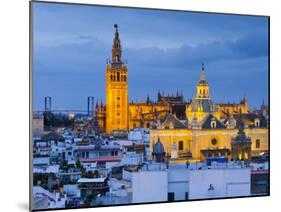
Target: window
(180,145)
(214,141)
(213,124)
(147,125)
(118,114)
(257,122)
(101,164)
(258,143)
(118,76)
(171,196)
(118,98)
(171,125)
(186,195)
(125,78)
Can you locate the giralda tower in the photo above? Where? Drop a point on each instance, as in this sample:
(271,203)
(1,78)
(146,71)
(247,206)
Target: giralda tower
(116,89)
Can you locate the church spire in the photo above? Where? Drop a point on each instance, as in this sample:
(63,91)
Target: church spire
(202,86)
(203,75)
(116,47)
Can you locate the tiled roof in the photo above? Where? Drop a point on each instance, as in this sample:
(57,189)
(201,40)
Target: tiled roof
(250,118)
(207,123)
(177,124)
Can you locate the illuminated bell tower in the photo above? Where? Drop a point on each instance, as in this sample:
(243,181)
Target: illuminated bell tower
(202,86)
(202,105)
(116,89)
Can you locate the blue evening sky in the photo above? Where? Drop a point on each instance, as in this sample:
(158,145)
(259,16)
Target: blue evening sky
(164,51)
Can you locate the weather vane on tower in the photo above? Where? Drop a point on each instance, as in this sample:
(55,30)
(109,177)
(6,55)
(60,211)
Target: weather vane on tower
(116,27)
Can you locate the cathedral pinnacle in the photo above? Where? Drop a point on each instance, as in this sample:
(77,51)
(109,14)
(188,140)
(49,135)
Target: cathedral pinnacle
(203,75)
(116,47)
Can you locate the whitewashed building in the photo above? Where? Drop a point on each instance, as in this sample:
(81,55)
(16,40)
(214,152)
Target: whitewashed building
(177,182)
(217,183)
(43,198)
(149,186)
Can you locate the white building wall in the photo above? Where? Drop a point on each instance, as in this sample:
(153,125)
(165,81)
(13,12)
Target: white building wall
(126,175)
(179,189)
(132,158)
(149,186)
(72,190)
(109,165)
(226,183)
(178,181)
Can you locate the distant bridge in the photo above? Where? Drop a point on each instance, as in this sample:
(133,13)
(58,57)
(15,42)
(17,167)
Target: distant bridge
(48,107)
(62,111)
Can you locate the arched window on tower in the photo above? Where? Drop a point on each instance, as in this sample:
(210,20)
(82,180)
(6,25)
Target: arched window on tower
(122,78)
(117,58)
(114,78)
(111,77)
(125,78)
(118,76)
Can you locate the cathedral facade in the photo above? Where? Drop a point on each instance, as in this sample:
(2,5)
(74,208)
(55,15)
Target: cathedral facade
(213,130)
(193,130)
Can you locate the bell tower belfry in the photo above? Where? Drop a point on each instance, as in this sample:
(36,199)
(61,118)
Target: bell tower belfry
(116,88)
(202,91)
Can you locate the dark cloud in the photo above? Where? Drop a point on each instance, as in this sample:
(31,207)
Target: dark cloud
(71,49)
(251,45)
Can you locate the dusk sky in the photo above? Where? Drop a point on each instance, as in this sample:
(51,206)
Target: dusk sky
(164,51)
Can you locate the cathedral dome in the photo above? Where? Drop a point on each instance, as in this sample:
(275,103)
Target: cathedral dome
(158,147)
